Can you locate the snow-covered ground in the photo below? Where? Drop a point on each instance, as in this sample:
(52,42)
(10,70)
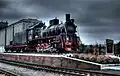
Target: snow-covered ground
(28,72)
(2,49)
(112,68)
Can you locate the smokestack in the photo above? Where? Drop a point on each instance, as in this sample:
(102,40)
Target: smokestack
(67,17)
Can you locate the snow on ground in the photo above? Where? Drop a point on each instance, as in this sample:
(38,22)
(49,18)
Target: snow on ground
(112,68)
(2,49)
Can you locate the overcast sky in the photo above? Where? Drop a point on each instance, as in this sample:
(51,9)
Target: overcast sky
(96,19)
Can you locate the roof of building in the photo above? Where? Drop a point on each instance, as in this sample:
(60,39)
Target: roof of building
(3,25)
(22,20)
(25,20)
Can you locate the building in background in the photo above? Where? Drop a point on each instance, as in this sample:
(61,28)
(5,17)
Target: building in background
(109,46)
(3,26)
(7,32)
(19,26)
(117,48)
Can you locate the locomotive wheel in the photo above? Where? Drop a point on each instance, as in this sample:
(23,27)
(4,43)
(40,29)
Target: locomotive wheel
(14,51)
(53,50)
(25,51)
(11,50)
(62,51)
(17,51)
(37,50)
(21,51)
(8,50)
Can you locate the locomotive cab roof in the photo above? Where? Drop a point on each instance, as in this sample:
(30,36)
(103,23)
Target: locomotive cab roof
(40,24)
(53,22)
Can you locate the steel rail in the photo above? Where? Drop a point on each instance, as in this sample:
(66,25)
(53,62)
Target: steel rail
(77,72)
(7,73)
(46,68)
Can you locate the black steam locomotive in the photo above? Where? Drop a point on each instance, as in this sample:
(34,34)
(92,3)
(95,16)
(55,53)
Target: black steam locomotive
(57,37)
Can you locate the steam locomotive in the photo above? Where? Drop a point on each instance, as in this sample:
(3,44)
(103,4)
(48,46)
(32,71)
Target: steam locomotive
(57,37)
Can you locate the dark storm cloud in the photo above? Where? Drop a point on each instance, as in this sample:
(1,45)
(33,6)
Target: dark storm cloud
(89,12)
(9,11)
(102,10)
(3,4)
(101,20)
(53,4)
(97,19)
(51,8)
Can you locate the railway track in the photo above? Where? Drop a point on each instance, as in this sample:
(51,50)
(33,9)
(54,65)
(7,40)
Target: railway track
(46,68)
(65,71)
(4,72)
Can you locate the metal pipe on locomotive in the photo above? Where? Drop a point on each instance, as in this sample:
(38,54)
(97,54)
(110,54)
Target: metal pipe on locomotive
(57,37)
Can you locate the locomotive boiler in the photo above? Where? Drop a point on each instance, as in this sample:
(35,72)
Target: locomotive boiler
(57,37)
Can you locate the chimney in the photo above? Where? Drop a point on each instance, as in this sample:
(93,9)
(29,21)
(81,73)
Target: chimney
(67,17)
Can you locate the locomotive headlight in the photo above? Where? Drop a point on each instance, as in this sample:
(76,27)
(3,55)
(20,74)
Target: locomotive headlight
(67,38)
(69,43)
(36,36)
